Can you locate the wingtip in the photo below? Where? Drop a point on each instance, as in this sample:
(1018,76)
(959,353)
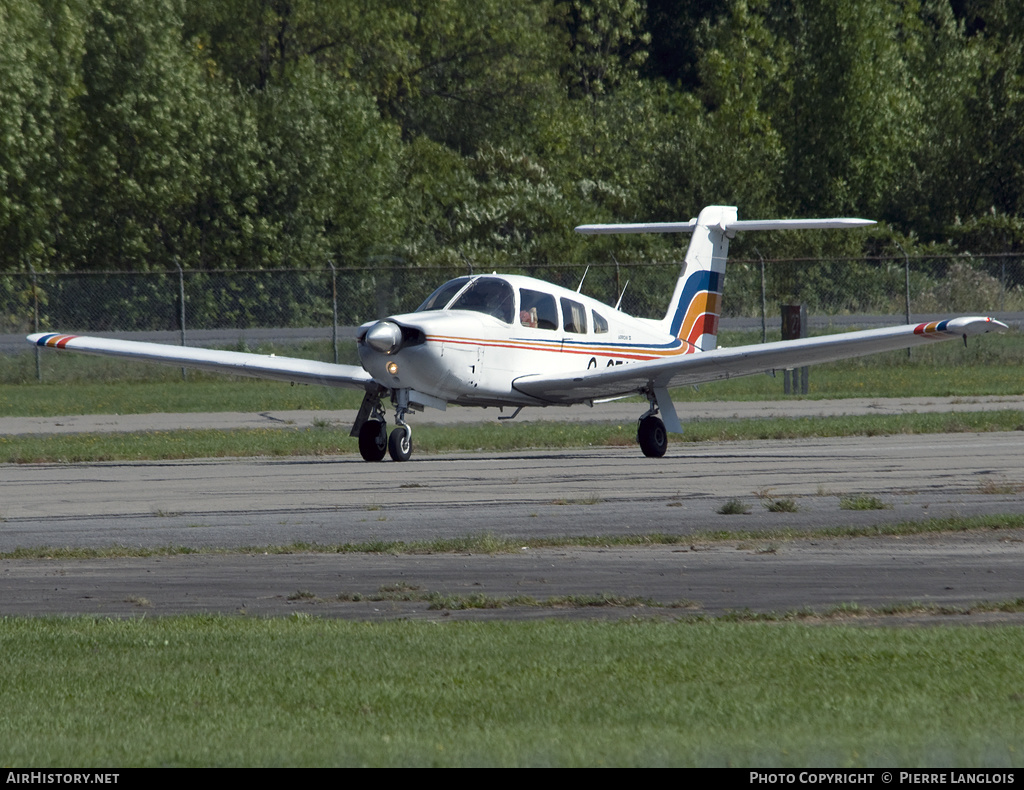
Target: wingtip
(965,324)
(49,339)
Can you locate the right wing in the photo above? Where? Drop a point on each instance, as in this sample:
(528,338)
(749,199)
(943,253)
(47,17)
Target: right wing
(300,371)
(726,363)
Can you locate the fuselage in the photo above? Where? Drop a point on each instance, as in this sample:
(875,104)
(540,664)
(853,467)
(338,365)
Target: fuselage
(474,336)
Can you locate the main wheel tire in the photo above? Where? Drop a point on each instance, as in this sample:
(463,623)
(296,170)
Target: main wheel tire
(652,436)
(373,440)
(400,443)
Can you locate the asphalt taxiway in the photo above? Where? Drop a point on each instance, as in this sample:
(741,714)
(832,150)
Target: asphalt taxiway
(525,496)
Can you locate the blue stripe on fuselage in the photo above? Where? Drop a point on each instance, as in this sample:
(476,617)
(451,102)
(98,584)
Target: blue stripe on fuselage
(557,343)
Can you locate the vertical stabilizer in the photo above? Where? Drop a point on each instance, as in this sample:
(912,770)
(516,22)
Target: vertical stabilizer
(697,302)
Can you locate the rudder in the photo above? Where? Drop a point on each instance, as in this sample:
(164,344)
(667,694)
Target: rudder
(696,303)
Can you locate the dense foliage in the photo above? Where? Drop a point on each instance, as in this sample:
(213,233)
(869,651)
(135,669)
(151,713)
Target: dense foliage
(148,134)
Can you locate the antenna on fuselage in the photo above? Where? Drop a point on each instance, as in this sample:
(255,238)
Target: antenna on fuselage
(622,294)
(584,277)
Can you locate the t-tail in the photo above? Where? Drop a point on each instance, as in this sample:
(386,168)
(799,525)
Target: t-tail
(696,304)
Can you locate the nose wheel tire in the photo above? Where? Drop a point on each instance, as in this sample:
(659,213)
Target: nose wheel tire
(400,443)
(373,440)
(652,436)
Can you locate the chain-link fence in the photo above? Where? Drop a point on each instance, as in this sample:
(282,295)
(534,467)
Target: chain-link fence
(325,297)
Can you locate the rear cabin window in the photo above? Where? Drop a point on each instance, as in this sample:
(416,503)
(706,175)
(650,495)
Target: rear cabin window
(574,317)
(490,296)
(600,325)
(537,309)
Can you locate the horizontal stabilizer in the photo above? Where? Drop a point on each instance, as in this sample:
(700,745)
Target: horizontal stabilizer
(639,227)
(732,227)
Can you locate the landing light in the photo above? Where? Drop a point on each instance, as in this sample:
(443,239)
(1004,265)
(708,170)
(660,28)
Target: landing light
(392,368)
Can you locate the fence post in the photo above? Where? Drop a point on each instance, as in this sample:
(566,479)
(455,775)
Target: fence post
(35,319)
(181,307)
(794,326)
(906,277)
(1002,291)
(334,309)
(764,301)
(617,291)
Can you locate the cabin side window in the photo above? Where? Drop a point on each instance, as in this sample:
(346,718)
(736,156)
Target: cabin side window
(488,295)
(537,309)
(600,325)
(574,317)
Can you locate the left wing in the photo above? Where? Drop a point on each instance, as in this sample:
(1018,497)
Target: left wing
(300,371)
(726,363)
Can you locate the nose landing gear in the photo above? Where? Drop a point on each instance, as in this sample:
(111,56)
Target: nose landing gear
(400,443)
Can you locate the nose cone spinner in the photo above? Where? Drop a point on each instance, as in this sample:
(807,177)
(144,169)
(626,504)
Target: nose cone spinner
(384,336)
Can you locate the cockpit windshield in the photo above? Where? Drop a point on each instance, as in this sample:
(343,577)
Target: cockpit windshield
(442,296)
(489,295)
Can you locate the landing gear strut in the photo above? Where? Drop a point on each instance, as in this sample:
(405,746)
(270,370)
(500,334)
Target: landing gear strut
(400,443)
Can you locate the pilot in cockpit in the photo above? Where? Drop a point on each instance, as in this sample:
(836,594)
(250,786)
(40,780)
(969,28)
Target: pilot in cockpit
(528,317)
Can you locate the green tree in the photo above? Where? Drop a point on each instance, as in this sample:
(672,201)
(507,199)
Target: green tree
(606,43)
(39,79)
(474,71)
(996,106)
(331,168)
(139,149)
(459,71)
(846,108)
(737,152)
(675,27)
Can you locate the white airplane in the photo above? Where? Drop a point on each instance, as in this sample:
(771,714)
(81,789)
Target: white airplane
(508,340)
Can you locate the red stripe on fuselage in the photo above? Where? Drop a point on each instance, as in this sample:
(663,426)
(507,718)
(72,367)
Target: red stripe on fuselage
(566,347)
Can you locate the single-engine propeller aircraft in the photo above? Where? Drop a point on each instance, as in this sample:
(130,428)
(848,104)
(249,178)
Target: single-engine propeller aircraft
(509,340)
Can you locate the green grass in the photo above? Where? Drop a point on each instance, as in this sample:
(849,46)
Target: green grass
(489,543)
(486,437)
(734,507)
(781,506)
(311,692)
(201,393)
(862,502)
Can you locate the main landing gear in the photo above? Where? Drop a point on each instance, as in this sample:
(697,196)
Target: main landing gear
(653,438)
(373,439)
(650,431)
(373,433)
